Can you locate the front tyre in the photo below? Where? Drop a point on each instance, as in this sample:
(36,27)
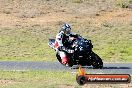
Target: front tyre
(96,61)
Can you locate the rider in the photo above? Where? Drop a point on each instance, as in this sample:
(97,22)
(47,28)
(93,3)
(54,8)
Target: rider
(64,34)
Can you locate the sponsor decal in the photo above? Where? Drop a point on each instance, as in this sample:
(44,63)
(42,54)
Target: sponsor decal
(83,78)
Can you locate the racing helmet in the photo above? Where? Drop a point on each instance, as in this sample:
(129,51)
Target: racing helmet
(66,29)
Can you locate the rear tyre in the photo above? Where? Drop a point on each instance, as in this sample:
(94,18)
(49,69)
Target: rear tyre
(96,61)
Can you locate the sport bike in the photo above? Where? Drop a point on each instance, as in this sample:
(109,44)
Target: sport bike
(82,55)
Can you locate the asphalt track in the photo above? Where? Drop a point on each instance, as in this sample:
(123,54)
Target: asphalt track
(109,68)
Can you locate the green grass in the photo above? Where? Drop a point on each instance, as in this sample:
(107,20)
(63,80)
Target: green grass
(46,79)
(37,79)
(112,43)
(77,1)
(25,44)
(124,3)
(130,1)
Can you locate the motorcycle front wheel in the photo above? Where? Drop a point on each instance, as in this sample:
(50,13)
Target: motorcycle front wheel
(96,61)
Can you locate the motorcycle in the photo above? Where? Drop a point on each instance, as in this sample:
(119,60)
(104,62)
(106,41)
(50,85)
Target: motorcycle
(83,54)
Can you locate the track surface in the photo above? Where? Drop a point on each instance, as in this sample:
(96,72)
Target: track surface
(115,68)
